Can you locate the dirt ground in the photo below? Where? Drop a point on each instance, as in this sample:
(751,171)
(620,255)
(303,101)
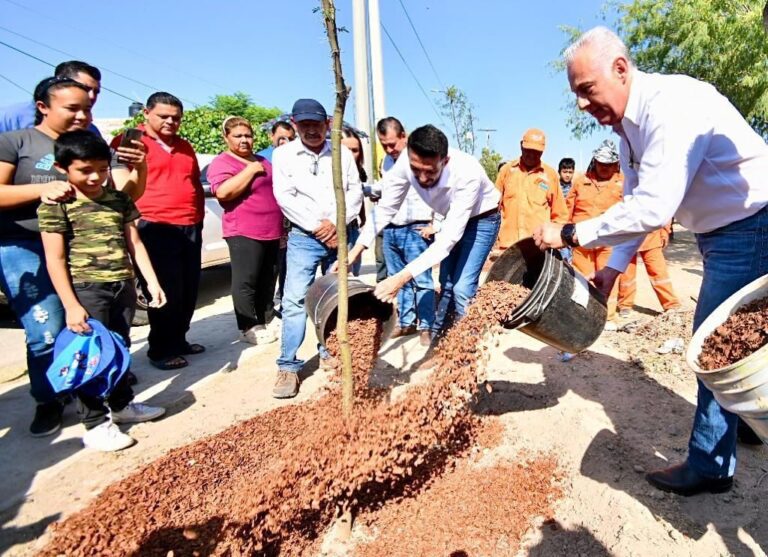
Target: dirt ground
(607,416)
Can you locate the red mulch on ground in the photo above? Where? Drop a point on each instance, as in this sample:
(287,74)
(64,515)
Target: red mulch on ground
(272,484)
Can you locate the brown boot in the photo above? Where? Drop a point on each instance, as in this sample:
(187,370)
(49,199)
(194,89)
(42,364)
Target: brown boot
(425,337)
(287,385)
(403,331)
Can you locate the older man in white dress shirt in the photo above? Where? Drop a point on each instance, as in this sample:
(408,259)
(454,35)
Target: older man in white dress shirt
(685,152)
(454,186)
(303,186)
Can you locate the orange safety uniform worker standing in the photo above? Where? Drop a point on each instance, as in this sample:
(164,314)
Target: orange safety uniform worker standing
(590,196)
(530,192)
(652,253)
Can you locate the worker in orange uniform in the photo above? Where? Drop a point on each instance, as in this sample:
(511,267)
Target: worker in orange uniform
(652,253)
(530,192)
(590,196)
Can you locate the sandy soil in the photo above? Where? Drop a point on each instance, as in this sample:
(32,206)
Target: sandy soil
(608,416)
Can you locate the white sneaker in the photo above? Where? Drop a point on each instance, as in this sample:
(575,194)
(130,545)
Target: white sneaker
(107,437)
(136,413)
(611,326)
(256,335)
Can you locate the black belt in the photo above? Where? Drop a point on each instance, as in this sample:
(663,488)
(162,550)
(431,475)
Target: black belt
(425,222)
(487,213)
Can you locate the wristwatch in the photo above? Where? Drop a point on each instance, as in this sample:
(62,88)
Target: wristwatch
(567,234)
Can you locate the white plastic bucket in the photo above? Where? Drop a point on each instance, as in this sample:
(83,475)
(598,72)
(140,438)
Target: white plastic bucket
(741,388)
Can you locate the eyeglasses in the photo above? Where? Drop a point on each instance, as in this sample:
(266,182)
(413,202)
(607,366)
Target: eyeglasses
(313,167)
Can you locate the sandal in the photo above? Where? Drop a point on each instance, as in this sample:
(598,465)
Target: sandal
(192,349)
(173,362)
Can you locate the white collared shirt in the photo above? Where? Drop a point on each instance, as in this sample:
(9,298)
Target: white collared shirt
(413,208)
(685,152)
(303,184)
(463,191)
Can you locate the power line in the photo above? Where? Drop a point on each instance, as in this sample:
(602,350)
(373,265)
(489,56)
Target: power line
(9,80)
(154,60)
(423,48)
(53,66)
(101,67)
(413,75)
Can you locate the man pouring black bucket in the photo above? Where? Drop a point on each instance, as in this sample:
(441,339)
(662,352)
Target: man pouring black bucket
(456,187)
(685,152)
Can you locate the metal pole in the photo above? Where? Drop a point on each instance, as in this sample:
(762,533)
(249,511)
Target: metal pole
(362,86)
(377,64)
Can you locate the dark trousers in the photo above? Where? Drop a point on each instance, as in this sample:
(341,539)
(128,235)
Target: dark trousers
(175,254)
(277,301)
(253,279)
(381,264)
(112,304)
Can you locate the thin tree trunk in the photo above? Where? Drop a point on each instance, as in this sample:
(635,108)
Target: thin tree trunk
(329,17)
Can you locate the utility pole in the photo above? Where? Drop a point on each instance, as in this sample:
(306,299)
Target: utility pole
(361,89)
(488,132)
(377,64)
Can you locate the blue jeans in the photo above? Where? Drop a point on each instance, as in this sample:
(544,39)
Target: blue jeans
(401,245)
(24,280)
(733,256)
(460,271)
(305,255)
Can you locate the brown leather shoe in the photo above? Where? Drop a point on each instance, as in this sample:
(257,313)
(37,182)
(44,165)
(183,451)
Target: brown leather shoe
(425,337)
(287,385)
(403,331)
(684,480)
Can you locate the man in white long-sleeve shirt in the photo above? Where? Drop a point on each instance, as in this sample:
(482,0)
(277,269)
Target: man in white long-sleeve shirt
(303,186)
(685,152)
(454,186)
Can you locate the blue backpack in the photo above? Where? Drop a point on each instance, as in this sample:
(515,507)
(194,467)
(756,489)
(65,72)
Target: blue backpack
(91,363)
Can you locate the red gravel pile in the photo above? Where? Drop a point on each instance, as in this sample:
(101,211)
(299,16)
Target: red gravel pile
(364,336)
(743,333)
(271,484)
(466,511)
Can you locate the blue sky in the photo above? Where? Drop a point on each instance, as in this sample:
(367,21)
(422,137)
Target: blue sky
(497,51)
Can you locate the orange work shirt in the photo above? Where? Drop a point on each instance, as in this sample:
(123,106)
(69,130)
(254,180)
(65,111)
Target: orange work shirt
(528,198)
(590,197)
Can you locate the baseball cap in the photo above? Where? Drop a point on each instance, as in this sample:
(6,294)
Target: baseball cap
(606,153)
(534,139)
(308,109)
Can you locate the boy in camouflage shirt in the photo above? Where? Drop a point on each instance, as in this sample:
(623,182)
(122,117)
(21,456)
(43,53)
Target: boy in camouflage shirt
(90,242)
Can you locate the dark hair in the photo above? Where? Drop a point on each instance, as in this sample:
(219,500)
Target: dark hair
(73,67)
(80,145)
(428,141)
(282,124)
(162,97)
(346,132)
(50,85)
(390,123)
(567,163)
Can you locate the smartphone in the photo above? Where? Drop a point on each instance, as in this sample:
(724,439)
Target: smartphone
(130,135)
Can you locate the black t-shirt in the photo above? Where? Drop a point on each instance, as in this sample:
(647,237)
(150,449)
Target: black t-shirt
(31,152)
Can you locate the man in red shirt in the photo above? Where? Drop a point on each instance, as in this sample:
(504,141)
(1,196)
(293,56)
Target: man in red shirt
(171,226)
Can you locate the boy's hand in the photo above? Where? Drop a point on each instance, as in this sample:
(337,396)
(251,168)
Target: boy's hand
(57,192)
(76,320)
(158,296)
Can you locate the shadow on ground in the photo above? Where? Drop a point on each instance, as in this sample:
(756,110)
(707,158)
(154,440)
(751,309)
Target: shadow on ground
(627,396)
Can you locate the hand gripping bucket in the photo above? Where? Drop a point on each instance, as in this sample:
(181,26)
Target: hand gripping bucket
(742,387)
(322,302)
(563,309)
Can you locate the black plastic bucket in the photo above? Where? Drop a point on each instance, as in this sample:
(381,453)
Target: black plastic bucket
(322,302)
(563,309)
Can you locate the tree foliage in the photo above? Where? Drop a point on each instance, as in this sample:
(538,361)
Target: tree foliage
(455,106)
(490,161)
(721,42)
(201,126)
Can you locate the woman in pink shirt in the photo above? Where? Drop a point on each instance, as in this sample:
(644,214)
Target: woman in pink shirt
(252,224)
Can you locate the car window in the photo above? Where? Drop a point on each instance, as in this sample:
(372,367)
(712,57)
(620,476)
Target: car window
(204,175)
